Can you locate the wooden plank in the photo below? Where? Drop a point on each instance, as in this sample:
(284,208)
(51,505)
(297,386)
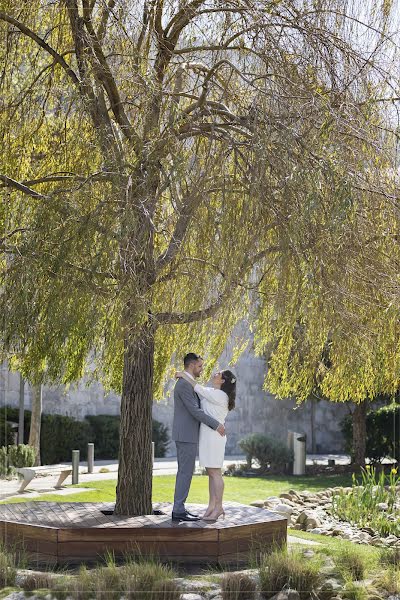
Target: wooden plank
(114,534)
(91,549)
(248,530)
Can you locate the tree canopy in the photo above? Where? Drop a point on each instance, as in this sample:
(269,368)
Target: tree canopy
(167,163)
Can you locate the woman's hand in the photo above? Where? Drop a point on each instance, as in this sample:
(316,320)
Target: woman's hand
(179,375)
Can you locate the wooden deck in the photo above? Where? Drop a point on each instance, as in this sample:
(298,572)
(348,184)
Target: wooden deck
(73,532)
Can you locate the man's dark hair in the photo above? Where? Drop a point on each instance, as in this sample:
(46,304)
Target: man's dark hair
(191,357)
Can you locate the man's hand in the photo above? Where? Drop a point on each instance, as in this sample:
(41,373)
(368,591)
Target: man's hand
(179,375)
(221,429)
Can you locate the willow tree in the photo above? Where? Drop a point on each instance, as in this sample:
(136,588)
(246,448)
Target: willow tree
(150,148)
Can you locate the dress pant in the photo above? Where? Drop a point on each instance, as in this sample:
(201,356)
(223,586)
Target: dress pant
(186,455)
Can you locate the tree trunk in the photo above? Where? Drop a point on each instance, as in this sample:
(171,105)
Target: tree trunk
(21,411)
(359,433)
(135,472)
(34,432)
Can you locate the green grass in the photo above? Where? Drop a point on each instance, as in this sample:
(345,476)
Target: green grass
(333,546)
(244,490)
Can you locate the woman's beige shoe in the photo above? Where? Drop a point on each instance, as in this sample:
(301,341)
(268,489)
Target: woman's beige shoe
(213,518)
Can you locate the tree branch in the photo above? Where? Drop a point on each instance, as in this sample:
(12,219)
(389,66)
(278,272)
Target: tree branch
(104,19)
(179,233)
(21,187)
(28,32)
(212,309)
(105,76)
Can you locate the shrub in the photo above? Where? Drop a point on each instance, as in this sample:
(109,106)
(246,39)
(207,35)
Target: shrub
(60,435)
(160,438)
(6,432)
(238,586)
(105,430)
(147,580)
(280,569)
(351,562)
(37,581)
(352,591)
(143,580)
(21,455)
(5,468)
(382,437)
(8,569)
(270,453)
(390,557)
(389,581)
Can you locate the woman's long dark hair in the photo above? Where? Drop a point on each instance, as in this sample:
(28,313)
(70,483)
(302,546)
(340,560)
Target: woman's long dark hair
(229,387)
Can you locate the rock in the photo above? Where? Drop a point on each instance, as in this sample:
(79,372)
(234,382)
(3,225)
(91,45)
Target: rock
(201,587)
(316,531)
(282,509)
(258,504)
(326,591)
(337,531)
(302,518)
(297,526)
(191,597)
(286,496)
(312,523)
(383,506)
(336,585)
(213,594)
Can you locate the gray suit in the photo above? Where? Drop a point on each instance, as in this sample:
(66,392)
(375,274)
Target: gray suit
(185,431)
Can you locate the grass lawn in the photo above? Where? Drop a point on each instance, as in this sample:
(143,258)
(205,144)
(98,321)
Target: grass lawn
(244,490)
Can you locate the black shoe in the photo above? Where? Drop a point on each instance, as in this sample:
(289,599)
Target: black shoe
(192,514)
(184,517)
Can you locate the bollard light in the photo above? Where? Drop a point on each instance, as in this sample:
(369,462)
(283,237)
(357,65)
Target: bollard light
(90,457)
(75,466)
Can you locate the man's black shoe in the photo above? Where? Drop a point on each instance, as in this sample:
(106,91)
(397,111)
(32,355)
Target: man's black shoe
(192,514)
(184,517)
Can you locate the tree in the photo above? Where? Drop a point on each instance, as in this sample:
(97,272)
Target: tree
(158,156)
(36,417)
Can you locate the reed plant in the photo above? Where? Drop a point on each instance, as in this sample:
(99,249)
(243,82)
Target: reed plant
(364,505)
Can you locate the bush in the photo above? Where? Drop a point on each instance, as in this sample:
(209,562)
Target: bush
(5,468)
(160,438)
(6,432)
(21,455)
(8,569)
(270,454)
(142,580)
(238,586)
(105,430)
(281,569)
(60,435)
(382,436)
(351,562)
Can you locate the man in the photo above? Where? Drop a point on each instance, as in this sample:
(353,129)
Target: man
(185,432)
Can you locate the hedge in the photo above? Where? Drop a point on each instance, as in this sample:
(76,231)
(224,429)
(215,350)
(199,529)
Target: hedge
(61,434)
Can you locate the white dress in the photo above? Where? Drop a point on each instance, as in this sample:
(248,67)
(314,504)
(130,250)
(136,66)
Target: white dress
(214,402)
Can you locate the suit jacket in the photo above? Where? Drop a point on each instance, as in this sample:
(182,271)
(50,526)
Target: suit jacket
(188,415)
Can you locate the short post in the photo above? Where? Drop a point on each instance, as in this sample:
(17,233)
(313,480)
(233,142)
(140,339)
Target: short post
(90,457)
(75,466)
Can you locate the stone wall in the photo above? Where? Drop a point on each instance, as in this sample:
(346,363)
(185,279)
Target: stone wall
(256,411)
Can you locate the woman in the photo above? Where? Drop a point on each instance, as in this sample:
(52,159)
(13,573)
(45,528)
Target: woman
(216,401)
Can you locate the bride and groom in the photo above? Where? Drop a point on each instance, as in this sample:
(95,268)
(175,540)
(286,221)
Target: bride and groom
(199,416)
